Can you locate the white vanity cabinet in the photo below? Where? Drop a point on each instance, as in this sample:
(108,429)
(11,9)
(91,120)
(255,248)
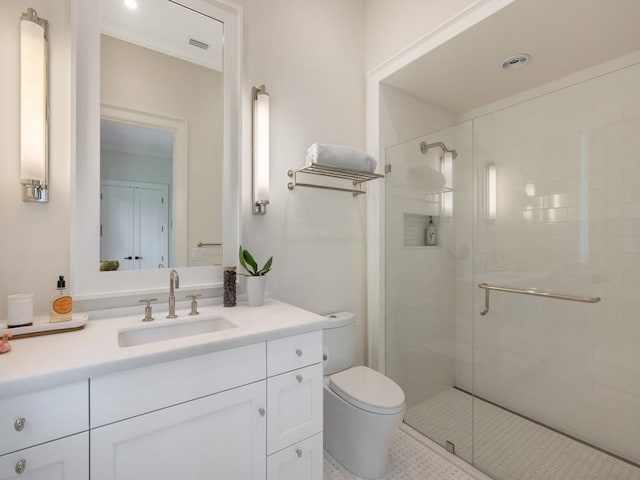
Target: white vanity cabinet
(243,407)
(189,419)
(294,405)
(43,434)
(219,436)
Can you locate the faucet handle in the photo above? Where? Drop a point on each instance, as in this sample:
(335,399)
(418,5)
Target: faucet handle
(147,309)
(194,304)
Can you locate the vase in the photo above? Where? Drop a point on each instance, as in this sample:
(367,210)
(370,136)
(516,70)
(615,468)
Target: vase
(255,290)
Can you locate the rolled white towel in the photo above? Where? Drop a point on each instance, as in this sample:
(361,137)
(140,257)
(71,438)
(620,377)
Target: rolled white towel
(341,156)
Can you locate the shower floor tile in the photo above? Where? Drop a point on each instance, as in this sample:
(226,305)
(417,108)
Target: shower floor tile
(509,446)
(410,460)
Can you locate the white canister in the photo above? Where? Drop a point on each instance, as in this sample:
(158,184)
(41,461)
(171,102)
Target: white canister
(20,309)
(255,290)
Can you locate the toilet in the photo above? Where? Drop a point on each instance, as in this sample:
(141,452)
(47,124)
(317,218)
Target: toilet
(362,407)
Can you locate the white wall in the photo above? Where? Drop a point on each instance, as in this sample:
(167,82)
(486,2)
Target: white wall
(34,243)
(310,56)
(394,26)
(135,167)
(404,116)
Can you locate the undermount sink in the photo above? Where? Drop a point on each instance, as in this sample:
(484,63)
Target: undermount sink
(168,331)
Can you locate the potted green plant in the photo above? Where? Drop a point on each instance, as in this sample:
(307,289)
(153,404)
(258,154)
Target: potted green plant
(255,276)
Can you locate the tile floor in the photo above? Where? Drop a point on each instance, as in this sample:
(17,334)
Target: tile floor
(409,460)
(511,447)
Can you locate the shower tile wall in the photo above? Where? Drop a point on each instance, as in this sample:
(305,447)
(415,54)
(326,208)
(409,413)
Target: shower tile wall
(568,220)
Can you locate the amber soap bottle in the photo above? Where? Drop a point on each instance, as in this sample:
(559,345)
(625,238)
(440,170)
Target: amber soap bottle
(61,303)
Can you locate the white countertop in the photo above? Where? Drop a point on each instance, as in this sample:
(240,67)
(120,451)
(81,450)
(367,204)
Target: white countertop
(41,362)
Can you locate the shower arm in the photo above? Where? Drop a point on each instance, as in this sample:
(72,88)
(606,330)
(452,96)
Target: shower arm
(424,147)
(557,296)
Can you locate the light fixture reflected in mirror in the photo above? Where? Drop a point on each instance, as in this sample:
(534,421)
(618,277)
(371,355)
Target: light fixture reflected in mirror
(260,150)
(492,192)
(34,90)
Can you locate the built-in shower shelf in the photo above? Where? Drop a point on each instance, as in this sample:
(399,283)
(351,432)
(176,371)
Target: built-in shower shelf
(356,177)
(415,230)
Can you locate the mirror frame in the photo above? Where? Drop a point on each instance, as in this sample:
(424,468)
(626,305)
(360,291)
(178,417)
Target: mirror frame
(87,281)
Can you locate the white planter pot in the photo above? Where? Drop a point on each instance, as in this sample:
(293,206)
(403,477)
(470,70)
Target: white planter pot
(255,290)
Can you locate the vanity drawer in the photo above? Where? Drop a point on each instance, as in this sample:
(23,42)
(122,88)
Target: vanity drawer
(41,416)
(294,407)
(301,461)
(67,458)
(125,394)
(289,353)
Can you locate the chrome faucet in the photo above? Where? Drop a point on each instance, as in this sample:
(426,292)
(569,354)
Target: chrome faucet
(174,282)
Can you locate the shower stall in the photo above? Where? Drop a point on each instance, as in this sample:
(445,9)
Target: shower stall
(515,335)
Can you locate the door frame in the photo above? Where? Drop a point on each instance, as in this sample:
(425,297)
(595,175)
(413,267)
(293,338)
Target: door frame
(178,221)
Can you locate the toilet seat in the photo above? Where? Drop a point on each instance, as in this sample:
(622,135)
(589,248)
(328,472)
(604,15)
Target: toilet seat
(368,390)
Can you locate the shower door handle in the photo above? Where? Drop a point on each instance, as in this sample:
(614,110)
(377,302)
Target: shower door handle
(535,293)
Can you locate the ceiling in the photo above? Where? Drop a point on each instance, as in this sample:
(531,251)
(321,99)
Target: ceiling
(166,27)
(135,139)
(562,37)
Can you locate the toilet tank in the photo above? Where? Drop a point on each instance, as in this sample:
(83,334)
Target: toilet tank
(339,342)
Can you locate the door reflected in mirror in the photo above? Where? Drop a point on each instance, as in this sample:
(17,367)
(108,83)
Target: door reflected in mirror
(161,136)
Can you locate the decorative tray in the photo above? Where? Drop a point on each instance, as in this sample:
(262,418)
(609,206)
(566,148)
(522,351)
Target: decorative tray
(41,326)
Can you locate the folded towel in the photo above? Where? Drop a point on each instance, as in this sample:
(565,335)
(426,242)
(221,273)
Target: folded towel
(341,156)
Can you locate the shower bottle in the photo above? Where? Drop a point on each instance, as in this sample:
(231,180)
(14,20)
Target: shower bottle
(431,233)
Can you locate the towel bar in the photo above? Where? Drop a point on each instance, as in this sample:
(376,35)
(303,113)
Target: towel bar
(558,296)
(202,244)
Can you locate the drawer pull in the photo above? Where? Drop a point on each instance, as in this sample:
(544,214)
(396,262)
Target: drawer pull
(21,466)
(299,352)
(262,412)
(299,452)
(299,378)
(19,424)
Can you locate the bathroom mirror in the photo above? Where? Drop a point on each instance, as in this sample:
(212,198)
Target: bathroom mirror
(160,136)
(122,119)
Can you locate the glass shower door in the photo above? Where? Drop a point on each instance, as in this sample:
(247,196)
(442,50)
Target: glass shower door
(429,288)
(557,382)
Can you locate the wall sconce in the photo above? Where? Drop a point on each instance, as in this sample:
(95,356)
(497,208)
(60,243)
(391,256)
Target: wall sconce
(492,191)
(446,168)
(260,150)
(34,112)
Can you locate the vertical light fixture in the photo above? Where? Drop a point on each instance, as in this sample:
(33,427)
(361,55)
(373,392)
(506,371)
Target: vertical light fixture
(446,167)
(492,191)
(34,93)
(260,150)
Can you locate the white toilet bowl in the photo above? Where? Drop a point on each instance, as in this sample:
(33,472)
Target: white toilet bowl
(362,410)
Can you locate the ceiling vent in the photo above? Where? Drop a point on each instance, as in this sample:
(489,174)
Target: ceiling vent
(198,43)
(515,61)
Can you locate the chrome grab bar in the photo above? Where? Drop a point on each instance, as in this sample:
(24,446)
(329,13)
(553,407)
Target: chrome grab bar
(557,296)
